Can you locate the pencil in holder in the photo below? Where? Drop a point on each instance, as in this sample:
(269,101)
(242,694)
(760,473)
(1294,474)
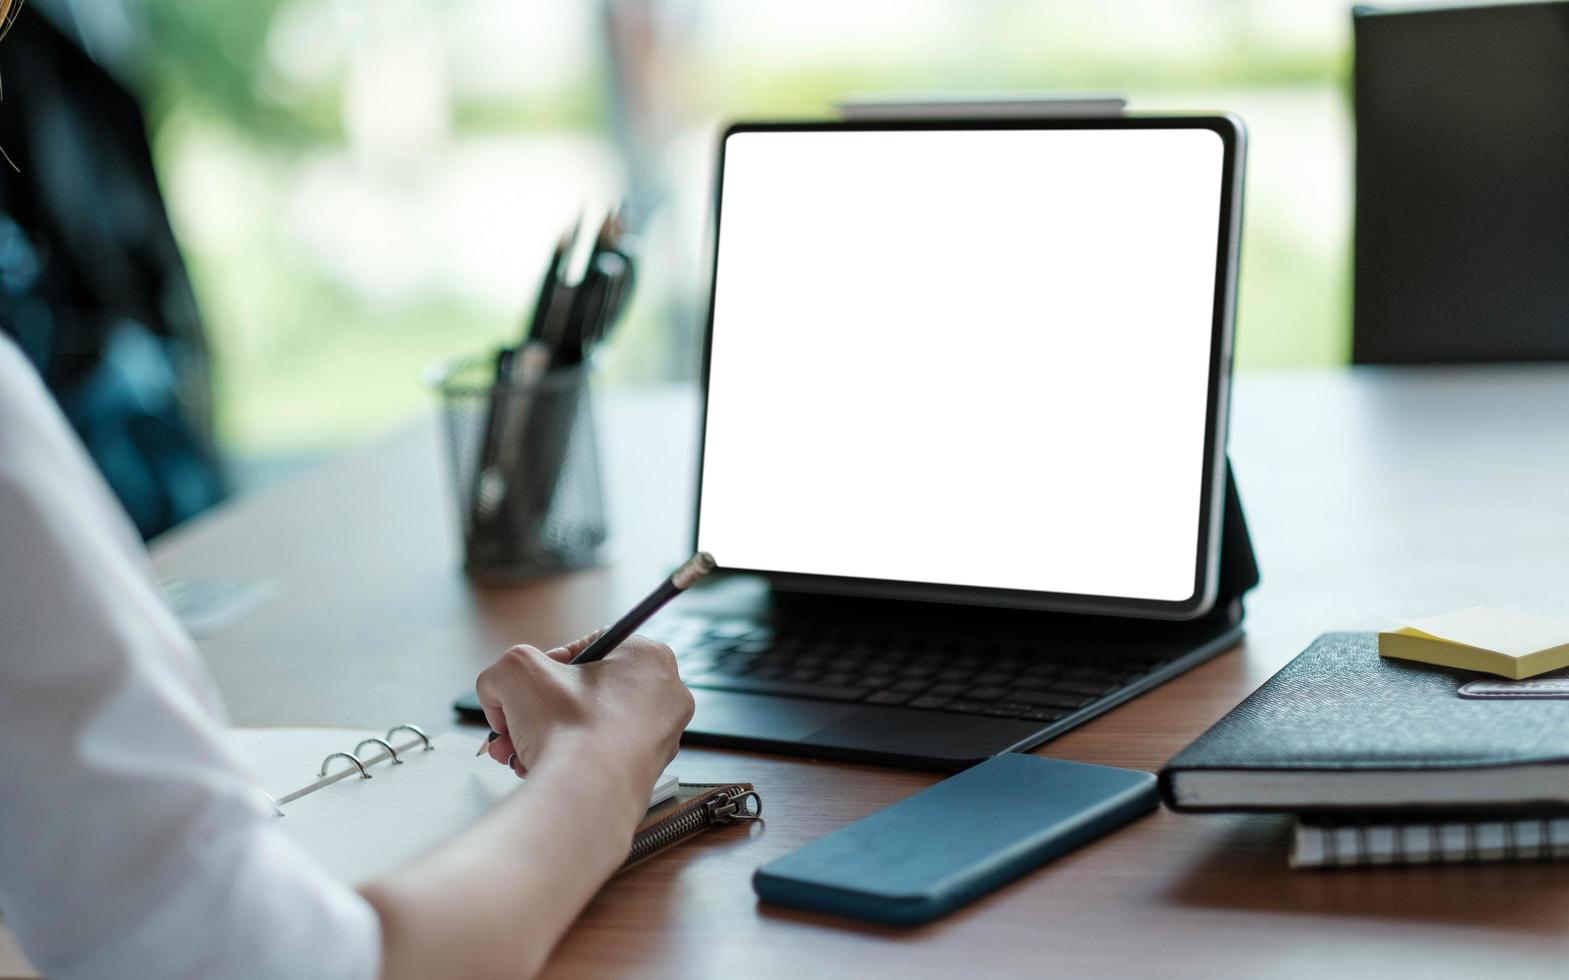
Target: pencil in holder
(525,468)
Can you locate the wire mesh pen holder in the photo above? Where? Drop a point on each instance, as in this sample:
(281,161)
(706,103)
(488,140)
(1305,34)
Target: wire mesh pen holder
(525,469)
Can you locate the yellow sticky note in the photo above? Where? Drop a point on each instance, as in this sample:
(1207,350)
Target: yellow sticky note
(1494,641)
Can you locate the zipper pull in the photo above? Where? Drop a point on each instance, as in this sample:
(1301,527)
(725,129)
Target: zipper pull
(727,807)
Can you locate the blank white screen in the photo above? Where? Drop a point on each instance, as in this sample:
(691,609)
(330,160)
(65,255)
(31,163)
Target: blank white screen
(976,358)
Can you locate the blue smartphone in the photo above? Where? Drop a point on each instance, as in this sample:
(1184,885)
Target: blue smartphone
(950,844)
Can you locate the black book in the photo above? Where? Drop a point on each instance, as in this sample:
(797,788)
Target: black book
(1341,729)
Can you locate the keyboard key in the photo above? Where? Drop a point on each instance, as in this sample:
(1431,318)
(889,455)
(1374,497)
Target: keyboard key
(888,697)
(839,678)
(991,678)
(1006,709)
(789,689)
(926,701)
(965,707)
(1042,714)
(910,687)
(754,646)
(732,629)
(986,693)
(1050,699)
(670,634)
(946,690)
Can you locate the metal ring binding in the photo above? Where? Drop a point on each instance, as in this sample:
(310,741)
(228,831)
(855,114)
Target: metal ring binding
(1511,842)
(1544,851)
(344,755)
(384,744)
(1434,850)
(418,731)
(1364,853)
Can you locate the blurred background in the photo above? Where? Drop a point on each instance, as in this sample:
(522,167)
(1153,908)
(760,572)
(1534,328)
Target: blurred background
(359,188)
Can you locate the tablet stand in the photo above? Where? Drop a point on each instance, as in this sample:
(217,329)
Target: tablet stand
(1238,564)
(895,628)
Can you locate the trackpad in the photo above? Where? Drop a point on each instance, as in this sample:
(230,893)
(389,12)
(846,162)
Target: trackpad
(761,716)
(952,741)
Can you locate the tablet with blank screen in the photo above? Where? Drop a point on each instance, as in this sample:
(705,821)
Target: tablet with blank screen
(970,361)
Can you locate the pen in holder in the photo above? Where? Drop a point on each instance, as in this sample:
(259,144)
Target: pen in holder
(525,468)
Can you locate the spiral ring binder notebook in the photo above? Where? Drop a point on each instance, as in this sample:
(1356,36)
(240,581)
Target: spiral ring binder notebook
(1328,843)
(385,751)
(402,792)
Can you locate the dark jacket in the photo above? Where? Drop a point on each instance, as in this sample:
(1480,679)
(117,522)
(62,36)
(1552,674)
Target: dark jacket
(92,285)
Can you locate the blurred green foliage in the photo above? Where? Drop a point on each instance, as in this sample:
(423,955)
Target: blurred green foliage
(306,361)
(212,54)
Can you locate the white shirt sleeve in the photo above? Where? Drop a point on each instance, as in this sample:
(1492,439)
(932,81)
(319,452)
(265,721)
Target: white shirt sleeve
(131,844)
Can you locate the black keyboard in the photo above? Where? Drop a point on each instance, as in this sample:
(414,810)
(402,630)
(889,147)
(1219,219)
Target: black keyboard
(965,675)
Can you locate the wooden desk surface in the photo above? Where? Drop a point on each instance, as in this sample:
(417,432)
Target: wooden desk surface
(1370,493)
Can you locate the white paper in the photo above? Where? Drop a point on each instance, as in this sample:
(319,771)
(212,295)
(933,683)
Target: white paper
(286,759)
(358,828)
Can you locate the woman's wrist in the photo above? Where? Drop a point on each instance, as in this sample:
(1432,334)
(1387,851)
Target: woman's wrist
(595,766)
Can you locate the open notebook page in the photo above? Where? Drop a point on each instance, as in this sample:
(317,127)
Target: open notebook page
(358,828)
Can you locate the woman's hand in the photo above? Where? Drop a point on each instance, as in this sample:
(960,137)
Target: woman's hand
(625,712)
(593,739)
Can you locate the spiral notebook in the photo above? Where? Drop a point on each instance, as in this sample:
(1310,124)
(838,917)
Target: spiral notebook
(1342,843)
(363,802)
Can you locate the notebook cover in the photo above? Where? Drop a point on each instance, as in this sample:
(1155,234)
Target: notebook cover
(1339,706)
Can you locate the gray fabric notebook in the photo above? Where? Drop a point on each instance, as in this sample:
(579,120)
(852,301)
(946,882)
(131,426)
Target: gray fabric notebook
(1342,729)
